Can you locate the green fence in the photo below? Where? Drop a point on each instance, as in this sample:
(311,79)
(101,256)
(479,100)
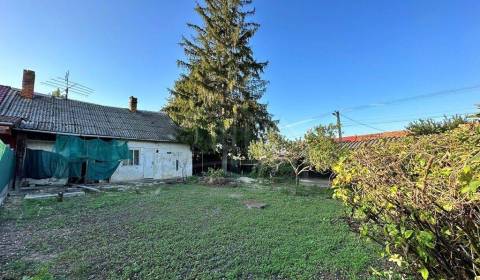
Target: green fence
(7,164)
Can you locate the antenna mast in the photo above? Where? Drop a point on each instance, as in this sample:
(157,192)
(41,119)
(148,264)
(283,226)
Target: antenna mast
(67,86)
(66,81)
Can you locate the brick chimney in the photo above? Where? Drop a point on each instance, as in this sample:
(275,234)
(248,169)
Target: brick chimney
(28,84)
(133,104)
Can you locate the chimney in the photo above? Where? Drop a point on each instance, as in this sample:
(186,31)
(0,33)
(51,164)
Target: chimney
(133,104)
(28,84)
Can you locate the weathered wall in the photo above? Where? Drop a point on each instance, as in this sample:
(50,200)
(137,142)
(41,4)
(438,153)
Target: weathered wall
(43,145)
(158,161)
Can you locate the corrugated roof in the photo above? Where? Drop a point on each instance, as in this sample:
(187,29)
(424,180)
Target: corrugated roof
(45,113)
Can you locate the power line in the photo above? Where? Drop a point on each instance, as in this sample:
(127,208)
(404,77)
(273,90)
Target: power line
(413,98)
(306,120)
(419,116)
(406,120)
(363,124)
(391,102)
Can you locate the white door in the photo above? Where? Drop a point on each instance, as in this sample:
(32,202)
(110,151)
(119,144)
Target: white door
(148,162)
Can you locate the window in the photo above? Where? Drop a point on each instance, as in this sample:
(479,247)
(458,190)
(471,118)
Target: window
(176,163)
(133,158)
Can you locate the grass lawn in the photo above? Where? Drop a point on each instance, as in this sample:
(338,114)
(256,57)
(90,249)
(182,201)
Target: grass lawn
(182,232)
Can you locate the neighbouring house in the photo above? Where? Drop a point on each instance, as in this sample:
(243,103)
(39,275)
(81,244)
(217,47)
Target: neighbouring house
(355,141)
(44,130)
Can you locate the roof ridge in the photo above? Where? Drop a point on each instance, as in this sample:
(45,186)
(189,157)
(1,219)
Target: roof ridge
(86,102)
(48,114)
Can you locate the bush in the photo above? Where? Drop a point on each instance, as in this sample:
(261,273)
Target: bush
(419,197)
(430,126)
(265,171)
(216,177)
(215,173)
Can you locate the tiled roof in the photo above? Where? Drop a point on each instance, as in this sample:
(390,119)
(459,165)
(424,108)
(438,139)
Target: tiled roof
(357,141)
(363,143)
(3,92)
(365,137)
(45,113)
(9,121)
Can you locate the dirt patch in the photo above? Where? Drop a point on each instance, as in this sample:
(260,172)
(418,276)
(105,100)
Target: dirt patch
(13,242)
(254,204)
(219,182)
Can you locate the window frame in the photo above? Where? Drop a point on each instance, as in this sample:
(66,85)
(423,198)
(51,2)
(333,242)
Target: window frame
(133,158)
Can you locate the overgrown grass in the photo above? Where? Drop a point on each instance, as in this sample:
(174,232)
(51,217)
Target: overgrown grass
(185,232)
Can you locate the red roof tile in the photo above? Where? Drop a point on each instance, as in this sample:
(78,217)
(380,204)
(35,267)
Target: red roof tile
(367,137)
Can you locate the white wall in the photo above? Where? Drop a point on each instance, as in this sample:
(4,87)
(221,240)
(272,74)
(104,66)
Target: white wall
(156,158)
(40,145)
(157,161)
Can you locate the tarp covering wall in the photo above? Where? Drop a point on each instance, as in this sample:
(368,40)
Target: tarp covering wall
(70,154)
(101,170)
(7,165)
(76,148)
(42,164)
(100,157)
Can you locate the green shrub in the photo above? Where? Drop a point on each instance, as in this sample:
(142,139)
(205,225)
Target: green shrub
(419,197)
(215,173)
(265,171)
(431,126)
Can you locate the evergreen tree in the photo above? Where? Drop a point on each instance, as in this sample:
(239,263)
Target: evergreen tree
(216,99)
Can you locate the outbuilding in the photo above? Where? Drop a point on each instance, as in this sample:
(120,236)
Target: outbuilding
(121,143)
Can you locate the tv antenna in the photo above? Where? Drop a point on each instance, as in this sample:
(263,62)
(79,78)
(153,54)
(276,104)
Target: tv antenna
(65,85)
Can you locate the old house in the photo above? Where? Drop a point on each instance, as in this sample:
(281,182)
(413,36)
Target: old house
(115,144)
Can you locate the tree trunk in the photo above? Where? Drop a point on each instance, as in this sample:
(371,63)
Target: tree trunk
(296,183)
(225,161)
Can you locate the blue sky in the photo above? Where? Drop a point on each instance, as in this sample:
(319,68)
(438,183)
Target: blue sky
(324,55)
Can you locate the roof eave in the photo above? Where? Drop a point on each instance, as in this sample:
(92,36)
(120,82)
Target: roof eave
(97,136)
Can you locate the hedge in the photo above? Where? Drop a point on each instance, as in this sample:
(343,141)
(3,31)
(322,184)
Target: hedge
(419,197)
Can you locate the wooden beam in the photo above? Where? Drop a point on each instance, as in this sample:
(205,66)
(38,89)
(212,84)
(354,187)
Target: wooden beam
(5,130)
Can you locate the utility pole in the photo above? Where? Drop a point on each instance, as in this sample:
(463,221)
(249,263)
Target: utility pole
(339,124)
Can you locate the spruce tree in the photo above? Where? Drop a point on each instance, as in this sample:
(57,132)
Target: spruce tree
(217,98)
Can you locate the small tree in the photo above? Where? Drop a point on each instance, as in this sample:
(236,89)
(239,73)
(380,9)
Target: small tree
(297,156)
(268,152)
(57,93)
(278,149)
(318,150)
(430,126)
(323,150)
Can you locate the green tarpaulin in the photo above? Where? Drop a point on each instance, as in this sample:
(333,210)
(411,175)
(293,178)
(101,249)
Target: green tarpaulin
(7,164)
(101,157)
(75,169)
(42,164)
(76,148)
(100,170)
